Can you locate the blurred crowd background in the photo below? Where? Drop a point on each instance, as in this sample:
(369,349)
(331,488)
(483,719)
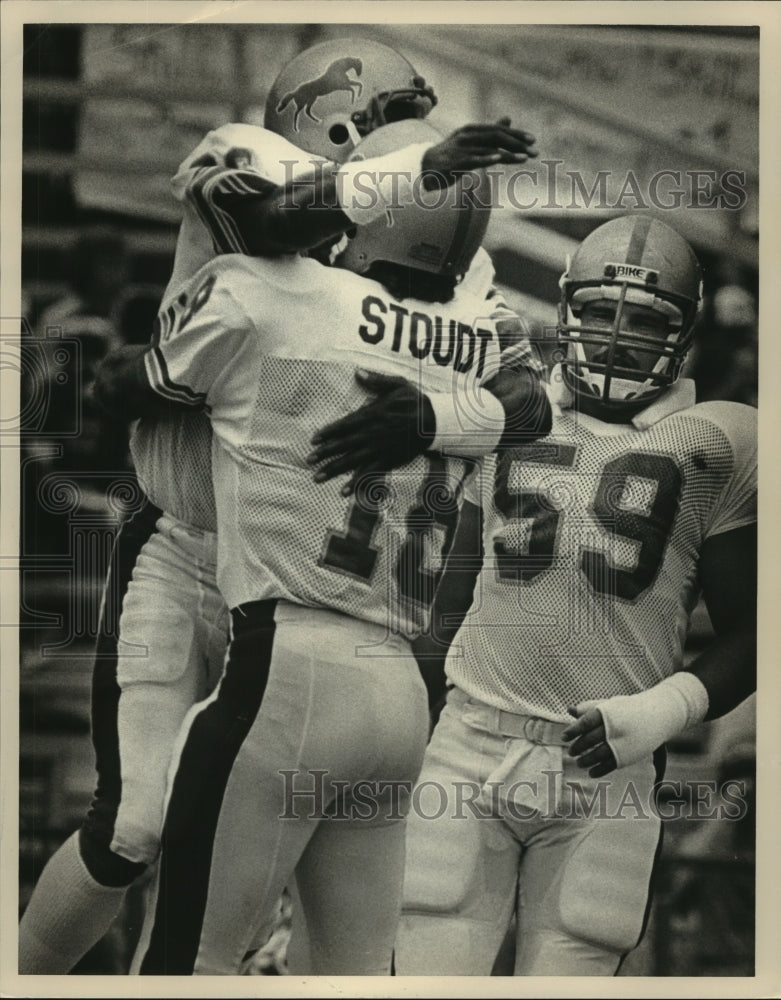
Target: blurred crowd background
(109,111)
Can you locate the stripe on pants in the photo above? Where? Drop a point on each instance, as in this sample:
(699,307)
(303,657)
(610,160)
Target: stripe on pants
(213,741)
(98,827)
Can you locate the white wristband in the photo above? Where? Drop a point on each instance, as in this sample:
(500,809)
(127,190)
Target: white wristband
(469,424)
(636,724)
(368,188)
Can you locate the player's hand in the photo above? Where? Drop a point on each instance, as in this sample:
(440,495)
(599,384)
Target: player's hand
(385,433)
(472,147)
(587,736)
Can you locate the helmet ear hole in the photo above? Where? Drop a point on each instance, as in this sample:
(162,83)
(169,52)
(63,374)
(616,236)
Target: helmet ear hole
(338,134)
(340,82)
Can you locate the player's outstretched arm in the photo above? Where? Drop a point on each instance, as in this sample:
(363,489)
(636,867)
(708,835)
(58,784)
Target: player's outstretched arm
(472,147)
(307,211)
(624,729)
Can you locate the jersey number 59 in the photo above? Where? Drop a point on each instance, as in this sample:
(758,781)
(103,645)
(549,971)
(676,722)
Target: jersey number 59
(648,528)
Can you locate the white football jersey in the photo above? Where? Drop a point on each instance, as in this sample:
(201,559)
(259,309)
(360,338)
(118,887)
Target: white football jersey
(270,347)
(592,537)
(172,456)
(233,159)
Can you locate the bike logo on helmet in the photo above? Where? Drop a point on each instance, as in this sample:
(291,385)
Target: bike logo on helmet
(630,271)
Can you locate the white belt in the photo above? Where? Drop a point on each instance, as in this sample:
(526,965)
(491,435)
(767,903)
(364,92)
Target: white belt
(491,719)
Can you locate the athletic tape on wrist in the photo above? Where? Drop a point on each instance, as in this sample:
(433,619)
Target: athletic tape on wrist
(462,429)
(635,725)
(368,188)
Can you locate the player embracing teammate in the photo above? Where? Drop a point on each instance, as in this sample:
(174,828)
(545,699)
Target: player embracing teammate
(597,541)
(239,196)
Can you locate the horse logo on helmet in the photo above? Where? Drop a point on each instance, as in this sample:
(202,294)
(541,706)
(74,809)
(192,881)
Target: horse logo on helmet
(333,80)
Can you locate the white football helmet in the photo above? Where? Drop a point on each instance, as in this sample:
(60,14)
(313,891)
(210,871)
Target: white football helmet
(331,95)
(629,300)
(438,235)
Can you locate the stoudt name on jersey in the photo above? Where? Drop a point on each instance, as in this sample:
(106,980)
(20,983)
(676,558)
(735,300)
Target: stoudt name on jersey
(446,341)
(271,348)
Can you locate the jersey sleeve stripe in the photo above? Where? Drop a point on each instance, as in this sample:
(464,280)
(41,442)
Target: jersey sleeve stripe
(163,384)
(164,322)
(218,223)
(211,185)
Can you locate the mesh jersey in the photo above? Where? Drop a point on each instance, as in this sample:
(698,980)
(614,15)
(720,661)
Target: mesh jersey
(592,537)
(173,461)
(271,347)
(230,160)
(172,454)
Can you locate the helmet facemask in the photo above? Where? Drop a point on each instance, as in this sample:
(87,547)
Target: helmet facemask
(624,345)
(394,106)
(629,301)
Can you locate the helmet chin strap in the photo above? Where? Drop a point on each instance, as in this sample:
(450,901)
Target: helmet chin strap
(609,411)
(620,388)
(353,133)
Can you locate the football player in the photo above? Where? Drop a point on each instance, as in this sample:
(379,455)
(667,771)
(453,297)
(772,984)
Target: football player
(325,590)
(566,676)
(323,102)
(239,194)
